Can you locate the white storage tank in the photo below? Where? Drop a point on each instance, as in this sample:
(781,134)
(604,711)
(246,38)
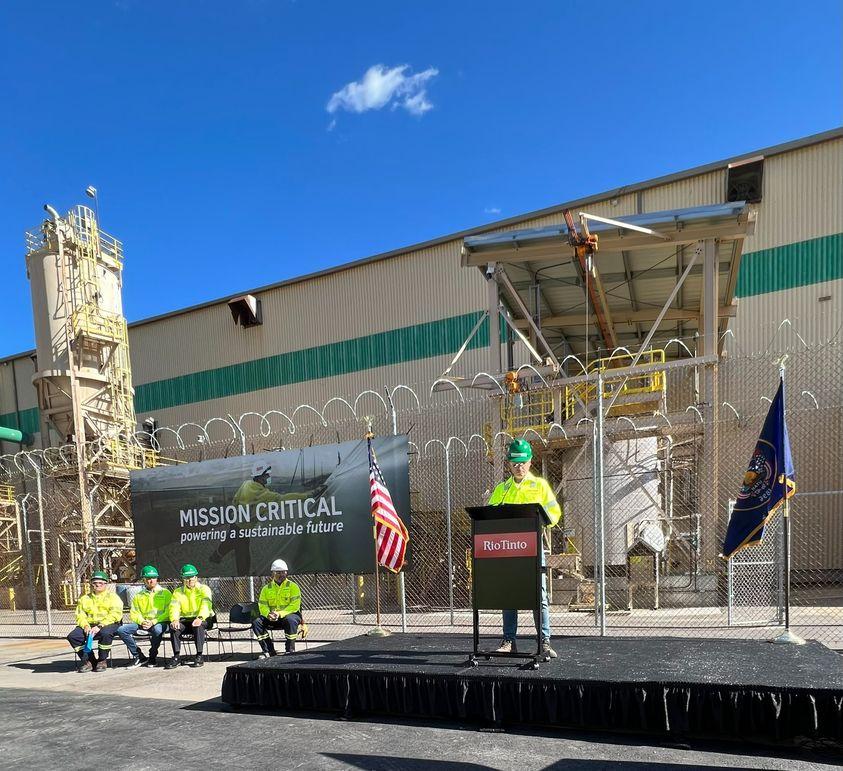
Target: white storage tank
(81,278)
(630,490)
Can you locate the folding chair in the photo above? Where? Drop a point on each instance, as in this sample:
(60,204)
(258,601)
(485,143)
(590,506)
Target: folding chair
(239,620)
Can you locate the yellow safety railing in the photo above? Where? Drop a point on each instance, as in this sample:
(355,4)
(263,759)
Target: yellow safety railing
(131,456)
(649,385)
(12,567)
(93,322)
(527,410)
(68,593)
(7,495)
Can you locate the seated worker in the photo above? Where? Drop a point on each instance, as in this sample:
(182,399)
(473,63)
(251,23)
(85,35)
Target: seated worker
(99,612)
(191,610)
(280,608)
(150,611)
(524,487)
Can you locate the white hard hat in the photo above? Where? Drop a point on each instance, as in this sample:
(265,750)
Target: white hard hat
(279,565)
(260,468)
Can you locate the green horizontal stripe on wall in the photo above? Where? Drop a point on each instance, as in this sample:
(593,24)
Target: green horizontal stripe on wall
(30,422)
(420,341)
(794,265)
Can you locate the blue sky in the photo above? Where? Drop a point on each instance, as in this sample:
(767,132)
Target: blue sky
(206,125)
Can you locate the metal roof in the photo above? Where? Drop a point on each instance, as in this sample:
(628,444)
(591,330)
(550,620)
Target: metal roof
(637,273)
(677,226)
(825,136)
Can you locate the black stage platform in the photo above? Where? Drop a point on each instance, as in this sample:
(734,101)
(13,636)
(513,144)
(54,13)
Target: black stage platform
(738,689)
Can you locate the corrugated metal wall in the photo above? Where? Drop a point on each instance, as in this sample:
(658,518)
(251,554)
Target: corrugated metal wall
(802,206)
(23,413)
(803,200)
(803,196)
(410,289)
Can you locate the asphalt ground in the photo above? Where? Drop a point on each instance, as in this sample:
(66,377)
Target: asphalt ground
(51,717)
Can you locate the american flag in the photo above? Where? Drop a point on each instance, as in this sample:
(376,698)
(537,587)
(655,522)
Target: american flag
(391,535)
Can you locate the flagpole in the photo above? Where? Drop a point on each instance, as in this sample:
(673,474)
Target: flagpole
(378,630)
(402,593)
(787,637)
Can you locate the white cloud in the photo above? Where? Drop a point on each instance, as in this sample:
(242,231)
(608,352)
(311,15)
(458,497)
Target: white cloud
(491,210)
(382,86)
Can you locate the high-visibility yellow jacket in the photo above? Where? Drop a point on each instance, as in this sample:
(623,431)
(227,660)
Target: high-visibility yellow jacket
(254,492)
(99,609)
(531,489)
(283,598)
(151,605)
(191,603)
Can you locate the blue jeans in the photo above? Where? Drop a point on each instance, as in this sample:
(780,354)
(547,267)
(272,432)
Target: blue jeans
(510,617)
(156,633)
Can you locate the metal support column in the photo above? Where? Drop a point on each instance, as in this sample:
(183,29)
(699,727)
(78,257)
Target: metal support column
(709,489)
(23,528)
(43,539)
(495,364)
(599,487)
(402,593)
(449,533)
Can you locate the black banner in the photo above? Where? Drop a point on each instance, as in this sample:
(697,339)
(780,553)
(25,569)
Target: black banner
(234,516)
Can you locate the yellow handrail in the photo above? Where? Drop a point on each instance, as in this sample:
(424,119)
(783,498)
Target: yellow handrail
(527,411)
(648,383)
(7,495)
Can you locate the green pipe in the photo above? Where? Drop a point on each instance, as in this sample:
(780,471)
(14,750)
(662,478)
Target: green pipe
(13,435)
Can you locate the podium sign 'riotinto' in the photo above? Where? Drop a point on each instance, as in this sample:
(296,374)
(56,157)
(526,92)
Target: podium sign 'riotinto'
(506,564)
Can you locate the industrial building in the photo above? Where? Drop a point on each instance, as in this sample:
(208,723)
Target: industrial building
(196,363)
(658,286)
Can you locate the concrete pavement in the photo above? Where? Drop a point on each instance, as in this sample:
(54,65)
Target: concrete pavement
(152,719)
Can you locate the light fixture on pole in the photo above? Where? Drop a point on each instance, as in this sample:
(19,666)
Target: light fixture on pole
(91,192)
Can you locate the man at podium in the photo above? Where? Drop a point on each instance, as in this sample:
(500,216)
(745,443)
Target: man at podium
(524,487)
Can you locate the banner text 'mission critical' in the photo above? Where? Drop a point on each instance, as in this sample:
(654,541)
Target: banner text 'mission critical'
(295,508)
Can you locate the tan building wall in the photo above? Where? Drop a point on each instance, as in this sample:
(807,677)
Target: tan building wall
(195,364)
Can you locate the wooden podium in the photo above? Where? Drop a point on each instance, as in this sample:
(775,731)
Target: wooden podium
(506,567)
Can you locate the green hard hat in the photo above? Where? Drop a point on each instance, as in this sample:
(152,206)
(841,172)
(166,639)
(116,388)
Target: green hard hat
(519,451)
(188,571)
(149,571)
(100,575)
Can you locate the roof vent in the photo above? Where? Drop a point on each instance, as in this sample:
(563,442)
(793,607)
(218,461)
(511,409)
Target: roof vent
(246,310)
(743,180)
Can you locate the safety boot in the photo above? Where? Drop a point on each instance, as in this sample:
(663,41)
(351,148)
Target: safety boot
(101,665)
(507,646)
(199,660)
(290,646)
(84,664)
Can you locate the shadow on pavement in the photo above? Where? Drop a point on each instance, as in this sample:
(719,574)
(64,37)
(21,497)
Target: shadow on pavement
(381,763)
(209,705)
(46,667)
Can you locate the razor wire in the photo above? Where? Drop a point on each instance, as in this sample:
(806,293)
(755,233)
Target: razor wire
(678,464)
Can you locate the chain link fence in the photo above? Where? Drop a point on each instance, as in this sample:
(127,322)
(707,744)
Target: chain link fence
(649,565)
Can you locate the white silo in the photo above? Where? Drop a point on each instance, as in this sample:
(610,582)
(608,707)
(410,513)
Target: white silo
(630,492)
(80,333)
